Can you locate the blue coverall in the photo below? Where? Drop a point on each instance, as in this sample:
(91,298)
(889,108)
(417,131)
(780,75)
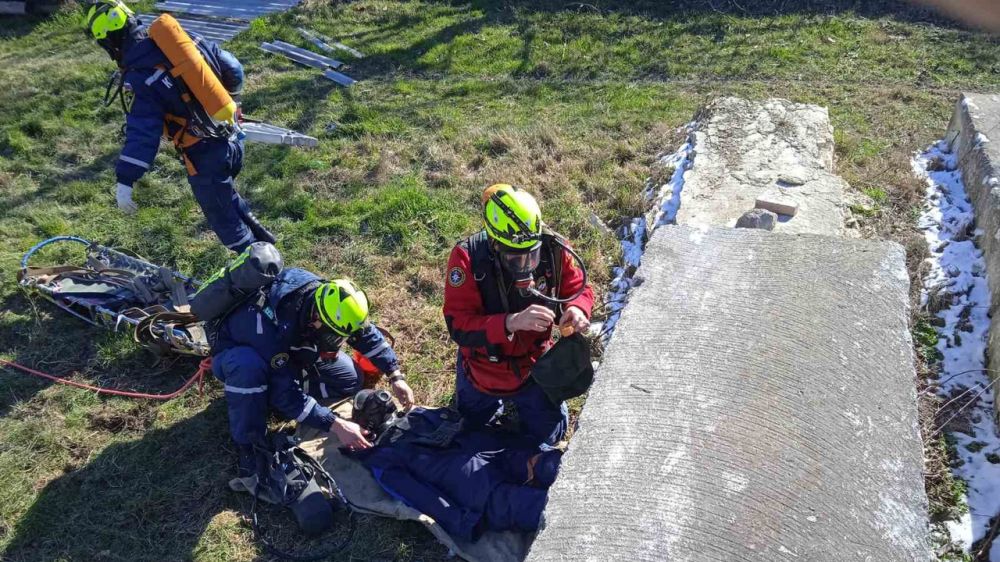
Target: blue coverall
(155,96)
(482,480)
(264,355)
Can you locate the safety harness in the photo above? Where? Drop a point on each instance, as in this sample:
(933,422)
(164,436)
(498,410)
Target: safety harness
(191,130)
(488,273)
(188,131)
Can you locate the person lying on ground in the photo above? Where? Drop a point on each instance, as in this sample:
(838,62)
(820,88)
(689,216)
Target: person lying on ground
(468,480)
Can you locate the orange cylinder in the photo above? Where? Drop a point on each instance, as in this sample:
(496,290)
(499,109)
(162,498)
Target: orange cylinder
(189,66)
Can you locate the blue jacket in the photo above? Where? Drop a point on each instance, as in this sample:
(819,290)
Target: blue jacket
(156,98)
(279,336)
(483,480)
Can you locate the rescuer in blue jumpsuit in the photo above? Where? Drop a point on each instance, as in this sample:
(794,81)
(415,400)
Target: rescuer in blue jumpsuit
(151,97)
(267,353)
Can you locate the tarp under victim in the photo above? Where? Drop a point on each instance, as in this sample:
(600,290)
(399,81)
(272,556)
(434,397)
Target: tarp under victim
(361,489)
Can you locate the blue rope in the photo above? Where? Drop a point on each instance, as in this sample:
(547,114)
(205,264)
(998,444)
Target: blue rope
(44,243)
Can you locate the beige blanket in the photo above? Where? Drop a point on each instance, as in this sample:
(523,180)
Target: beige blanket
(361,489)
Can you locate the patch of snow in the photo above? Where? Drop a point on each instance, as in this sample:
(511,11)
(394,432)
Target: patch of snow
(981,139)
(666,199)
(957,276)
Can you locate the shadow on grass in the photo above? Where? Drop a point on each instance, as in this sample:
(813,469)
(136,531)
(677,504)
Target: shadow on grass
(696,17)
(408,57)
(147,499)
(46,339)
(13,27)
(13,199)
(679,10)
(290,93)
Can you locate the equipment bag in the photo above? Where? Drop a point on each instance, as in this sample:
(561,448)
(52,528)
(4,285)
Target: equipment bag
(248,274)
(565,370)
(289,478)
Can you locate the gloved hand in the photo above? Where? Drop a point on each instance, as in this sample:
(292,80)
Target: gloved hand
(123,194)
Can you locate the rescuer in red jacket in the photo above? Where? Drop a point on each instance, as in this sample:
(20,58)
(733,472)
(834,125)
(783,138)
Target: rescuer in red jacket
(508,286)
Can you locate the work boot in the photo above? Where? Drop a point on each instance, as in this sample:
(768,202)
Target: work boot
(246,464)
(251,473)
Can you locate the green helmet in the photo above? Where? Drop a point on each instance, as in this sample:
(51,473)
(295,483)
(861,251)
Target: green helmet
(106,16)
(342,306)
(512,217)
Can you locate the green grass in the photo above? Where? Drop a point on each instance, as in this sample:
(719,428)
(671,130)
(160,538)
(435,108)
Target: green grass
(571,102)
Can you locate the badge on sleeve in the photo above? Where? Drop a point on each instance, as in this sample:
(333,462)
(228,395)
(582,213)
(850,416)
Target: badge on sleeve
(279,360)
(542,284)
(456,277)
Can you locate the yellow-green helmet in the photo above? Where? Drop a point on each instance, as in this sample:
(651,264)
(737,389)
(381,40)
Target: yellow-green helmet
(512,217)
(342,306)
(106,16)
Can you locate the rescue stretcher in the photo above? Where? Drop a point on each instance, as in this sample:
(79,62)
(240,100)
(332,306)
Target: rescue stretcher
(118,291)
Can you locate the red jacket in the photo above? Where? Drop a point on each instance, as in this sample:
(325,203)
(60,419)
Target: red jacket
(480,332)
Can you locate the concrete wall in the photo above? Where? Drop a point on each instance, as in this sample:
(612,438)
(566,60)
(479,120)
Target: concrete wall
(974,134)
(748,152)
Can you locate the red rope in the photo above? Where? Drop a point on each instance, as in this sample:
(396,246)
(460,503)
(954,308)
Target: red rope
(204,367)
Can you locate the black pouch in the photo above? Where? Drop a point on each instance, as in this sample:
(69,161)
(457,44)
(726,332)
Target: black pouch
(565,370)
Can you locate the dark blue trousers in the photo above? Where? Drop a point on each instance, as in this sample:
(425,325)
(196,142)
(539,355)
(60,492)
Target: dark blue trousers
(540,418)
(252,388)
(218,162)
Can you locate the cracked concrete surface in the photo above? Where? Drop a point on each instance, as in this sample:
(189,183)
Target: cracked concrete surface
(748,149)
(755,403)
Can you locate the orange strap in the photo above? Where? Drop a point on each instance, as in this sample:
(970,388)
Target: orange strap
(181,140)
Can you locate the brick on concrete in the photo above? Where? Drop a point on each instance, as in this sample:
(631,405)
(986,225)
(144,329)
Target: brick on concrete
(744,148)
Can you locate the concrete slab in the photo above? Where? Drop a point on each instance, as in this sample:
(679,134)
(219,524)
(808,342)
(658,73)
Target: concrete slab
(756,403)
(974,135)
(746,148)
